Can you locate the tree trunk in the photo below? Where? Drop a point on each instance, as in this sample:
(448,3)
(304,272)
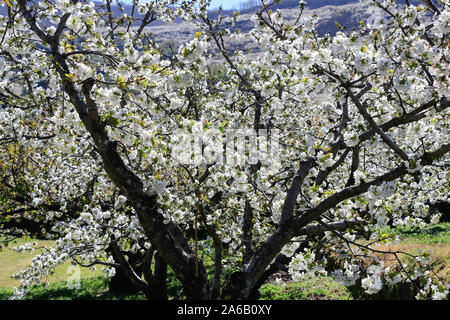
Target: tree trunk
(120,283)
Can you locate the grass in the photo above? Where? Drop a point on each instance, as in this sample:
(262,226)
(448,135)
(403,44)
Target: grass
(12,262)
(440,254)
(95,288)
(438,233)
(434,238)
(320,288)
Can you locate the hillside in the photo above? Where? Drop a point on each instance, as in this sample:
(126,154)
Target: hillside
(347,13)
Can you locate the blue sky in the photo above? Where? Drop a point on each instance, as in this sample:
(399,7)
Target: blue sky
(226,4)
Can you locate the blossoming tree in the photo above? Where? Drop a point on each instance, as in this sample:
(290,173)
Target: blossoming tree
(91,152)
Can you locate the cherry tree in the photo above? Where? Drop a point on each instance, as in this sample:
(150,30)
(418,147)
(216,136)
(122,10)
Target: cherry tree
(105,137)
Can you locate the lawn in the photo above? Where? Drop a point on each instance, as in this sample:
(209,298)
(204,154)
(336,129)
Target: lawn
(434,238)
(319,288)
(12,262)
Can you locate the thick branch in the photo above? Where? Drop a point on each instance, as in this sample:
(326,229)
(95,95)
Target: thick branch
(375,126)
(294,190)
(353,191)
(128,269)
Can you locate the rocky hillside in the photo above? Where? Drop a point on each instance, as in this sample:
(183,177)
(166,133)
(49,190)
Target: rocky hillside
(347,13)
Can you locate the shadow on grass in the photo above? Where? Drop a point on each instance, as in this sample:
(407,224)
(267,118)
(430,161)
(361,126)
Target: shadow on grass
(90,289)
(433,233)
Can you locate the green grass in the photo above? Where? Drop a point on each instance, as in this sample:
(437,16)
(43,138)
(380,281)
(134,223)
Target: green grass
(95,288)
(12,262)
(430,234)
(319,288)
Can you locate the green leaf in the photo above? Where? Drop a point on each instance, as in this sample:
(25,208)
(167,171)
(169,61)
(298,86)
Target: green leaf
(112,121)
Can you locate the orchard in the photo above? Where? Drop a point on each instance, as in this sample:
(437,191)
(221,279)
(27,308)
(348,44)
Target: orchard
(138,160)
